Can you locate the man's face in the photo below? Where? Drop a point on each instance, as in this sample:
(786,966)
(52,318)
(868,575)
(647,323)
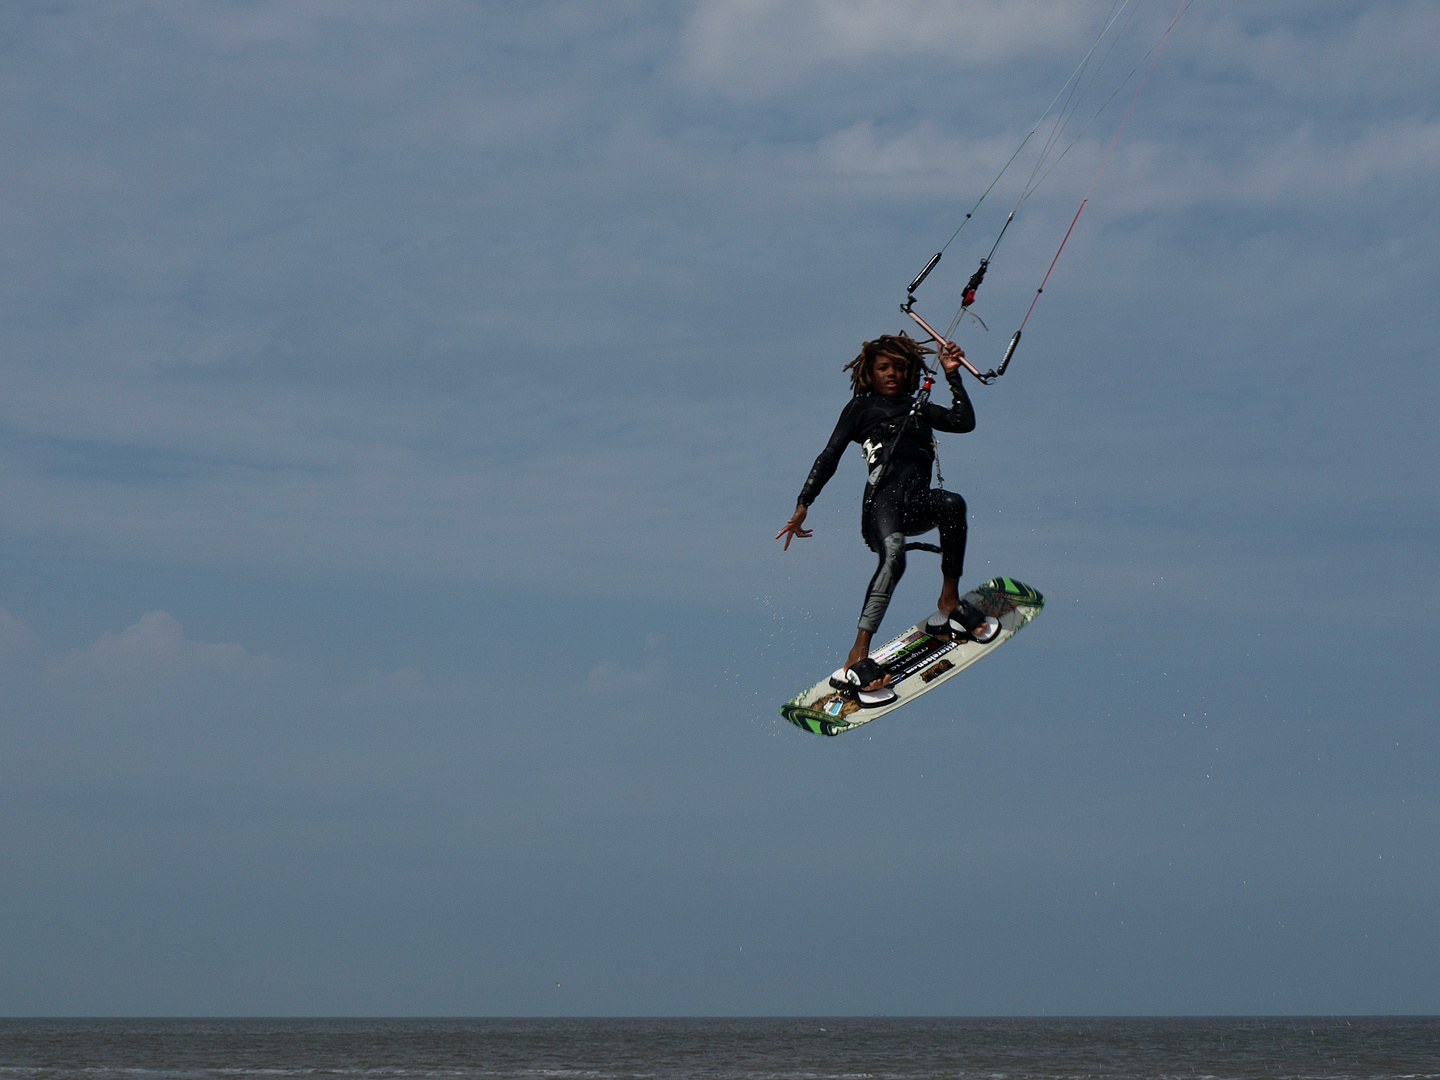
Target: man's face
(889,375)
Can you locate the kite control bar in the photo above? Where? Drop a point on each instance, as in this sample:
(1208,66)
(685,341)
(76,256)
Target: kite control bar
(986,377)
(967,297)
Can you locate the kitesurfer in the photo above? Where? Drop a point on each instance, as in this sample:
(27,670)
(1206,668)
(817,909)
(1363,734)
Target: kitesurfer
(899,447)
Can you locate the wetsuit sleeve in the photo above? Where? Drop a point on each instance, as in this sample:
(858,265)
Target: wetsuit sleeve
(829,458)
(960,417)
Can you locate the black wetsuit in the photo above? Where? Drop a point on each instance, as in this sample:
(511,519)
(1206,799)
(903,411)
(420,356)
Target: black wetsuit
(904,504)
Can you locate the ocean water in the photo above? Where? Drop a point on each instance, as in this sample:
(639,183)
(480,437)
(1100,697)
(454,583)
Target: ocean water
(743,1049)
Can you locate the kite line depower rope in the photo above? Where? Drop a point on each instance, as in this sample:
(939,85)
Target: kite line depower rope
(1062,119)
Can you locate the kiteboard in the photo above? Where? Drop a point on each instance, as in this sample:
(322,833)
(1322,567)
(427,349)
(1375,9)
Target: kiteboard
(918,662)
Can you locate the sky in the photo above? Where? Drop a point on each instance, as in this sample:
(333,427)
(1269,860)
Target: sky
(397,405)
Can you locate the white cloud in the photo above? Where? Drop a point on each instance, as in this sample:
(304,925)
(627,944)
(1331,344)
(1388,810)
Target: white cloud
(157,645)
(750,48)
(610,679)
(1306,164)
(1306,169)
(921,161)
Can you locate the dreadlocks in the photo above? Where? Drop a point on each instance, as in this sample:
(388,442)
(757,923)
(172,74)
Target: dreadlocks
(901,346)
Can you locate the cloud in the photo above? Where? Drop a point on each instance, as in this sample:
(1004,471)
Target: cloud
(753,48)
(155,647)
(609,679)
(158,638)
(1306,168)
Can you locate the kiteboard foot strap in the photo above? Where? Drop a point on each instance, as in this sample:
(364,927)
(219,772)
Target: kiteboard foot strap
(966,618)
(862,673)
(938,624)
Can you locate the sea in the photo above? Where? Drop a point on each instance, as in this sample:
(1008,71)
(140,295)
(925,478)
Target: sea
(1363,1048)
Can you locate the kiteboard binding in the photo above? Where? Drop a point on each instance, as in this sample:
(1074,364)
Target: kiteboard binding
(916,660)
(864,672)
(966,620)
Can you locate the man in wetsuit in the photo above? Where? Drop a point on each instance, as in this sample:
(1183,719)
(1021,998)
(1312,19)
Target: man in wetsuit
(899,501)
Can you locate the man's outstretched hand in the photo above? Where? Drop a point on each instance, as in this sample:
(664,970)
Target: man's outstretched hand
(794,528)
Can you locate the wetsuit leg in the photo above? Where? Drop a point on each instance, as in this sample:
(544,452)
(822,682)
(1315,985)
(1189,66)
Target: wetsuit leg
(885,533)
(928,509)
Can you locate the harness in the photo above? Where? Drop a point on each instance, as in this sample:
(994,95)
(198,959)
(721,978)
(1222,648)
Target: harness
(887,454)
